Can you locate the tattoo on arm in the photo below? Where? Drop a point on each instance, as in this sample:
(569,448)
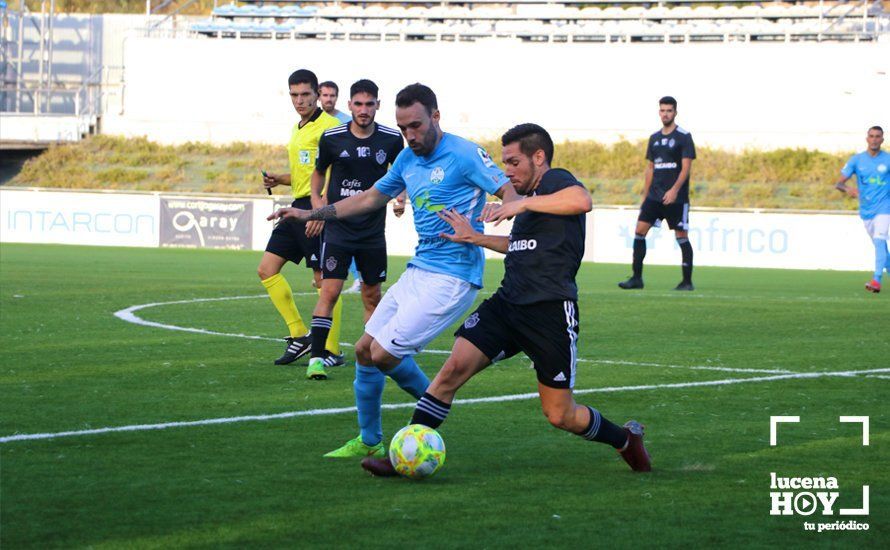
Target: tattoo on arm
(324,213)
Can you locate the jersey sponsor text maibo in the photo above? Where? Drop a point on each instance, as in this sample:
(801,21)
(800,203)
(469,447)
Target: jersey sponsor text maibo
(873,182)
(457,174)
(303,148)
(356,164)
(545,250)
(666,152)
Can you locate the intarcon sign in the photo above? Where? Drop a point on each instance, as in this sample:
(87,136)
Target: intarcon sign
(105,219)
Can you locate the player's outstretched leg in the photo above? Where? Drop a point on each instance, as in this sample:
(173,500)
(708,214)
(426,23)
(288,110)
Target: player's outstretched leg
(563,413)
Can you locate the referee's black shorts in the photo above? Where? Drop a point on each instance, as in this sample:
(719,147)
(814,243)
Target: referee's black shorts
(675,214)
(547,332)
(289,239)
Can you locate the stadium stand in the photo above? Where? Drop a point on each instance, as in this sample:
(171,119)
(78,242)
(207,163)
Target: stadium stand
(541,20)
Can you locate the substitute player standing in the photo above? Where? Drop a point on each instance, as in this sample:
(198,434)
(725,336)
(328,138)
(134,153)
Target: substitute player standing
(291,240)
(328,92)
(357,154)
(873,189)
(665,192)
(440,172)
(535,310)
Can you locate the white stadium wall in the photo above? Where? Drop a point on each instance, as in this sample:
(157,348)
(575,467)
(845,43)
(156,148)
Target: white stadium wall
(732,95)
(720,238)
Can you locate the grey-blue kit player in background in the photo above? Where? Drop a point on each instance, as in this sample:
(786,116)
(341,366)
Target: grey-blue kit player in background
(872,170)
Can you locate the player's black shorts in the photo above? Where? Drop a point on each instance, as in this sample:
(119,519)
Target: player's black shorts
(547,332)
(289,239)
(370,262)
(676,214)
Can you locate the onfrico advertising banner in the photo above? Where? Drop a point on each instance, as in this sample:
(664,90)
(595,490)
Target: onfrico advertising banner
(739,239)
(205,223)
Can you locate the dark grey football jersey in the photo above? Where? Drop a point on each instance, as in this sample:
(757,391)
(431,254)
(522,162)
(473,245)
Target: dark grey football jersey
(545,250)
(667,153)
(356,164)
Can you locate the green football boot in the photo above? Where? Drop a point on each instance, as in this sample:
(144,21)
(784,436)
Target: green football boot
(315,370)
(354,448)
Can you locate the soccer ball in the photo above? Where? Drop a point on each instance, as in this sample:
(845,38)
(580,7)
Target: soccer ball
(417,451)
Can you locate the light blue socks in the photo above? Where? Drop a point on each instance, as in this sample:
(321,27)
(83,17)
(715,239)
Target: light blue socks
(882,262)
(409,377)
(368,387)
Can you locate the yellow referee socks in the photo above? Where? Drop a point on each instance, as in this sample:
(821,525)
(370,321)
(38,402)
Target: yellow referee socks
(283,298)
(332,344)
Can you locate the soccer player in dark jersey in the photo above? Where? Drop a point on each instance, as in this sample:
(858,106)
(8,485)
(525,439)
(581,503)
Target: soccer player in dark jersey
(358,154)
(535,310)
(665,192)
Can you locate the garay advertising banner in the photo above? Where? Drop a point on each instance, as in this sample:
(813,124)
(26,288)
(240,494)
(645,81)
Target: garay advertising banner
(201,223)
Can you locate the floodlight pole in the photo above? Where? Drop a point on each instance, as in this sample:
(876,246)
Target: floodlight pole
(37,94)
(18,62)
(49,61)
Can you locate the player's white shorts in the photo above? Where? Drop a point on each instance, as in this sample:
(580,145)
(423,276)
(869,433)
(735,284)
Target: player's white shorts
(878,227)
(417,308)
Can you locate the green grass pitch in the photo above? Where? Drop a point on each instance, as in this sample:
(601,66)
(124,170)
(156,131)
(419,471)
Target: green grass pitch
(510,480)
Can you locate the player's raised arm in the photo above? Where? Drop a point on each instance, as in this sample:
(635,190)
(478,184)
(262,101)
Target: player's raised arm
(370,200)
(570,201)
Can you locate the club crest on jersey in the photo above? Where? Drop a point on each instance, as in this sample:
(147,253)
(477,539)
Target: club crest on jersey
(331,263)
(486,159)
(671,143)
(437,176)
(882,168)
(471,321)
(381,156)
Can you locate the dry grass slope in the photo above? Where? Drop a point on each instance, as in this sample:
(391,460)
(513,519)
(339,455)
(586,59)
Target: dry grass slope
(783,178)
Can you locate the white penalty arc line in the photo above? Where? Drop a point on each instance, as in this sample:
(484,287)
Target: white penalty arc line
(393,406)
(129,315)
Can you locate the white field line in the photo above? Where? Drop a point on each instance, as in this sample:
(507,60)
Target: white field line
(688,367)
(857,297)
(128,315)
(878,376)
(393,406)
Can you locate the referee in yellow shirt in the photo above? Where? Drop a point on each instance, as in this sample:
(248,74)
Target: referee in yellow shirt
(293,241)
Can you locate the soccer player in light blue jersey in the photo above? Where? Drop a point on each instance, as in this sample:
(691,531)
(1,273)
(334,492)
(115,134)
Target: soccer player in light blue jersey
(872,171)
(440,172)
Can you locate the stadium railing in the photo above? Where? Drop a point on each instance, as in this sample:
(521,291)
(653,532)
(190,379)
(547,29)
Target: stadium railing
(537,20)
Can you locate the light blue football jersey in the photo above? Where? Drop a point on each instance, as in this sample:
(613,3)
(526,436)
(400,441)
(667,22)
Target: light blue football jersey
(873,180)
(457,174)
(343,117)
